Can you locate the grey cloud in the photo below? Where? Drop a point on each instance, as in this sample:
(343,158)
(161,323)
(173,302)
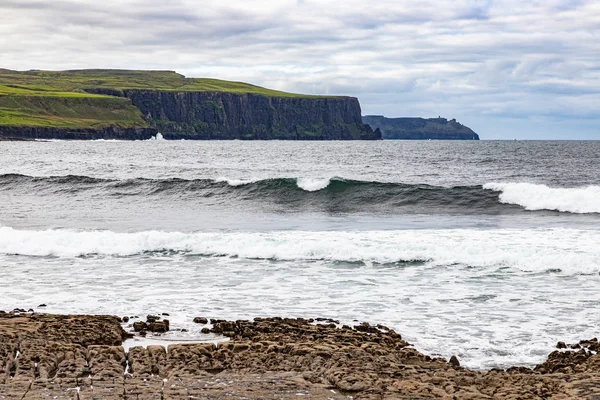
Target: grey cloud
(469,58)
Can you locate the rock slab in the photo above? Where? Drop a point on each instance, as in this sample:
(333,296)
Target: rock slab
(81,357)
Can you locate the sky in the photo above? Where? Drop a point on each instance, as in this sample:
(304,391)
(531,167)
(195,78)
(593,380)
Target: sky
(507,68)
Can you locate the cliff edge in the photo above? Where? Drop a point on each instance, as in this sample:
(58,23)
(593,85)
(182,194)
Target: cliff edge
(420,128)
(124,104)
(248,116)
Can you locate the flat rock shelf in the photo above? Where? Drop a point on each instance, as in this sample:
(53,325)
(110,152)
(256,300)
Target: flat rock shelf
(82,357)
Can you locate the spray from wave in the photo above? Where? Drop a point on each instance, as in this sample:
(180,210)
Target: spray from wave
(158,136)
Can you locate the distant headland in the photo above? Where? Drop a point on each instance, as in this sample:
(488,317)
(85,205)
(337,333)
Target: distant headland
(420,128)
(136,105)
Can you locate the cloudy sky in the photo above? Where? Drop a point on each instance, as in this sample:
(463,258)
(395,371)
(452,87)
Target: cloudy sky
(506,68)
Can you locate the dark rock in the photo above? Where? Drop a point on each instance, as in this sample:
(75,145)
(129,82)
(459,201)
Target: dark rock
(588,343)
(105,91)
(366,327)
(158,327)
(140,326)
(42,305)
(125,319)
(165,314)
(454,361)
(205,331)
(201,320)
(152,318)
(45,132)
(561,345)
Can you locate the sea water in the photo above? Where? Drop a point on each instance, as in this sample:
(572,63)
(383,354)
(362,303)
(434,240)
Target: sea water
(486,250)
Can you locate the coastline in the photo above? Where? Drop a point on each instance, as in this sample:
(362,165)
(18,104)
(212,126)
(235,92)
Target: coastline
(82,356)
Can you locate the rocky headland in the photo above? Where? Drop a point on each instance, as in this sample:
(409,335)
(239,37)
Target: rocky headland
(136,105)
(82,357)
(420,128)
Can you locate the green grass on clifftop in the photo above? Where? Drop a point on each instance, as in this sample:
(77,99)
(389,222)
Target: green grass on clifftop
(79,80)
(59,98)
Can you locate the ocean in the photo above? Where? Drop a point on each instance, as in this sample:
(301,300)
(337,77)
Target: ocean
(487,250)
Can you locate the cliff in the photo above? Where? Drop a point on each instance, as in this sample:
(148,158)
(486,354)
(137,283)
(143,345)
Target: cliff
(220,115)
(420,128)
(122,104)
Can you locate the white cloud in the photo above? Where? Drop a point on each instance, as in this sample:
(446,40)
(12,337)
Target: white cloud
(469,59)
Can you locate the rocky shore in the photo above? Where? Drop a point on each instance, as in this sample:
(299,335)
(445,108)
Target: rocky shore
(82,357)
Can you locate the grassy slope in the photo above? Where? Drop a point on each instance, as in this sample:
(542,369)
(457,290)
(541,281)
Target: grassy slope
(66,110)
(78,80)
(49,98)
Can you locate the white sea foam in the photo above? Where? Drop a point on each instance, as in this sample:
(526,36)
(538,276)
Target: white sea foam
(493,297)
(570,250)
(580,200)
(312,184)
(307,184)
(236,182)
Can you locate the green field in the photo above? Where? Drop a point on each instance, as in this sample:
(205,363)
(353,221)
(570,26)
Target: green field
(59,99)
(79,80)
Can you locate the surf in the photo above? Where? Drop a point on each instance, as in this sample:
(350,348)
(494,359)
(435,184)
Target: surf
(572,251)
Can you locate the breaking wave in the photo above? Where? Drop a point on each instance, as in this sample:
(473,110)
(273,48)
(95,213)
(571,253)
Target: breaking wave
(332,194)
(567,250)
(533,197)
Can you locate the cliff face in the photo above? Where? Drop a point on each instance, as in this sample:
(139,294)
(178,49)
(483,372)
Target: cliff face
(111,132)
(124,104)
(420,128)
(220,115)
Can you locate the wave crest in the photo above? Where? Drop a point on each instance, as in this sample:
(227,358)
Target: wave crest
(332,194)
(534,197)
